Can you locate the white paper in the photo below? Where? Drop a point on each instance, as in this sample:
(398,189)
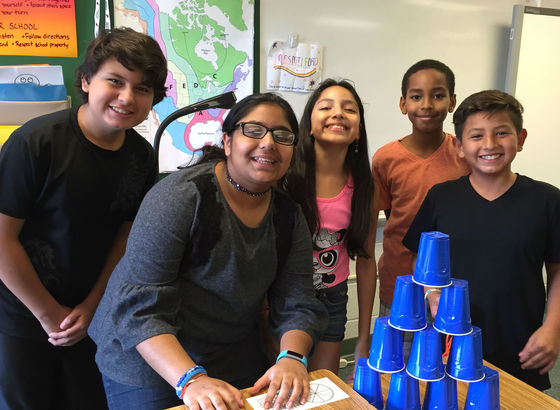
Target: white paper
(296,68)
(322,391)
(31,74)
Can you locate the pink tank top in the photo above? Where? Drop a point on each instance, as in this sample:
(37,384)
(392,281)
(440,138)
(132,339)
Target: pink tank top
(330,257)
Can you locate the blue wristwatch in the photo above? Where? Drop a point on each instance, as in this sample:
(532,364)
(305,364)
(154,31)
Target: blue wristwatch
(292,355)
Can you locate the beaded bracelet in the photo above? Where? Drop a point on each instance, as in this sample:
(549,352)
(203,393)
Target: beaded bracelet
(430,291)
(188,383)
(189,374)
(426,303)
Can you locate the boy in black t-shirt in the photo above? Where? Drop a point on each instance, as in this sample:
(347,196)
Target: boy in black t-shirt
(71,183)
(503,227)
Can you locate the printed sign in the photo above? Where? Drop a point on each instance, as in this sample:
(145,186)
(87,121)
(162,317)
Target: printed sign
(44,28)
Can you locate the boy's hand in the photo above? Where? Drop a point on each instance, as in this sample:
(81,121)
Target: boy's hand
(433,295)
(288,374)
(541,350)
(51,321)
(73,327)
(209,393)
(361,350)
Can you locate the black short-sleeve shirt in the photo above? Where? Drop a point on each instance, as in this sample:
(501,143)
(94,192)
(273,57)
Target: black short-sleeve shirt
(73,196)
(499,247)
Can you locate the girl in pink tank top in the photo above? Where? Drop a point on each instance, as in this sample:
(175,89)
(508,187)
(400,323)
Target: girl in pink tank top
(330,178)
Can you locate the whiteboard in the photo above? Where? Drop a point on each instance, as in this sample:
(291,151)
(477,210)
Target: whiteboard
(374,42)
(533,77)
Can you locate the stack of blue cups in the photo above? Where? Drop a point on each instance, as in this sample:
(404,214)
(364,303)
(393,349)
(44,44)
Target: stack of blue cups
(484,394)
(368,383)
(385,355)
(408,313)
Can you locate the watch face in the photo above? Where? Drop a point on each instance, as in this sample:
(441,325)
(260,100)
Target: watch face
(299,356)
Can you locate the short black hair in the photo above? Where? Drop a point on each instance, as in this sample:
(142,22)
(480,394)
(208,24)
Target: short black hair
(424,65)
(130,48)
(489,101)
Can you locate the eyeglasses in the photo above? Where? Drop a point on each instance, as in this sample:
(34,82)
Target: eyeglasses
(258,131)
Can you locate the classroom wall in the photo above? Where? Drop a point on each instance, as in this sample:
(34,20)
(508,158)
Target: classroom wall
(533,79)
(373,42)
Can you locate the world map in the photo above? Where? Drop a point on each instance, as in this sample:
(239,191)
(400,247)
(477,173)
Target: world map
(209,48)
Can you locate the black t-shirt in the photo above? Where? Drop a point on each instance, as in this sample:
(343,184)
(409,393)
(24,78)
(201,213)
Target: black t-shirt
(499,247)
(73,196)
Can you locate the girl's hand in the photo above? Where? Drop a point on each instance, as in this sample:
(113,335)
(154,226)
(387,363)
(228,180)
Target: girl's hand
(208,393)
(288,374)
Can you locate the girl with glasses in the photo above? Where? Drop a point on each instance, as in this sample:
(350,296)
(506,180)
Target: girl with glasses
(180,315)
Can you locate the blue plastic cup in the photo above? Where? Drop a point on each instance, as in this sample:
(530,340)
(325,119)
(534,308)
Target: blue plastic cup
(386,351)
(453,316)
(465,357)
(368,383)
(424,362)
(404,392)
(408,311)
(432,263)
(485,394)
(441,395)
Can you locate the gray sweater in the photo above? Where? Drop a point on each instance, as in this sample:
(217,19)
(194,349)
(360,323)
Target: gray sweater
(193,269)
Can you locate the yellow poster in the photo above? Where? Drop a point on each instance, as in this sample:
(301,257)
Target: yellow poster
(45,28)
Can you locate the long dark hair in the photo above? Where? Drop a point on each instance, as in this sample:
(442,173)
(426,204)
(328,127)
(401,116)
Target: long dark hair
(240,110)
(300,179)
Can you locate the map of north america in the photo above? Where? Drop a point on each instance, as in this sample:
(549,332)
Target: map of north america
(209,48)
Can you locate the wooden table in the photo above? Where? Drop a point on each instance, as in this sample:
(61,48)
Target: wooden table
(355,401)
(514,394)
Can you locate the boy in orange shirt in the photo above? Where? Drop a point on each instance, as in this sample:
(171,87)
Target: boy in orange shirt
(404,170)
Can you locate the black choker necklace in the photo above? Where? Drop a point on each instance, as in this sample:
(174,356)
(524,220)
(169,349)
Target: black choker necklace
(241,188)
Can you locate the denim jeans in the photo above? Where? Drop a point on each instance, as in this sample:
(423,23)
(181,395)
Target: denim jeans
(335,300)
(124,397)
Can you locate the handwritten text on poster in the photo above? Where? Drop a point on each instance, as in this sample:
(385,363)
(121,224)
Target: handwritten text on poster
(38,28)
(295,68)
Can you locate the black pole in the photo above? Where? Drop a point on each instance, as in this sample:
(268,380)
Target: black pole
(226,100)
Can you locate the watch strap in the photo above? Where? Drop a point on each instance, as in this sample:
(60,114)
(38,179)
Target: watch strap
(292,355)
